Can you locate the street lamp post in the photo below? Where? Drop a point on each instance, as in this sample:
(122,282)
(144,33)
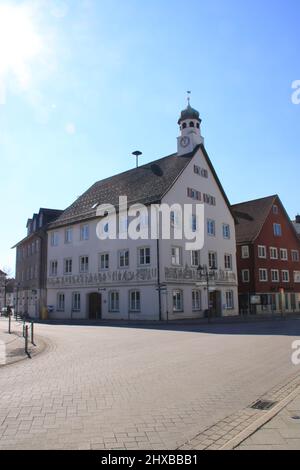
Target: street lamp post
(206,273)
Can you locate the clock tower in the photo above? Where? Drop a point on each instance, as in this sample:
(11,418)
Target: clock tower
(189,123)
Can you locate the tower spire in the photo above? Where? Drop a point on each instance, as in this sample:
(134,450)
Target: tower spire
(188,97)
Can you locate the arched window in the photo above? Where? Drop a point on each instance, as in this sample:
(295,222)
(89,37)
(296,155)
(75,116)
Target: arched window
(198,125)
(192,124)
(184,125)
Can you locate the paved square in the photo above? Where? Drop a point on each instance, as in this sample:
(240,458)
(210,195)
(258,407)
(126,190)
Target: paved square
(110,387)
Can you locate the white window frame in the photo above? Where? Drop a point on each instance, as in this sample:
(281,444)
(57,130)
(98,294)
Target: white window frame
(277,277)
(196,300)
(263,270)
(122,256)
(273,252)
(286,256)
(53,272)
(226,231)
(54,238)
(177,307)
(212,255)
(68,235)
(144,256)
(76,302)
(262,251)
(245,251)
(84,265)
(228,256)
(277,233)
(285,275)
(229,296)
(135,302)
(176,258)
(211,227)
(114,301)
(68,262)
(295,256)
(105,258)
(195,255)
(246,279)
(60,304)
(84,232)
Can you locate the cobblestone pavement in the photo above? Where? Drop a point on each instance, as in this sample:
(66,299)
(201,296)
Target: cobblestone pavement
(97,387)
(280,433)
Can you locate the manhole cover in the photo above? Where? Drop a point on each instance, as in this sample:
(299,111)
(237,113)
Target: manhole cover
(263,405)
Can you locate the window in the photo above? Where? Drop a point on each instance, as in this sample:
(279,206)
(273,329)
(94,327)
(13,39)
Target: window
(192,124)
(277,230)
(194,194)
(283,254)
(211,227)
(195,258)
(68,266)
(103,261)
(229,300)
(123,259)
(135,301)
(295,255)
(285,274)
(53,268)
(273,253)
(37,246)
(275,209)
(84,264)
(262,251)
(226,231)
(184,125)
(176,255)
(84,232)
(196,300)
(245,251)
(60,302)
(114,301)
(263,275)
(194,223)
(245,275)
(208,199)
(76,302)
(275,275)
(68,235)
(177,301)
(200,171)
(297,276)
(144,256)
(212,260)
(228,261)
(54,239)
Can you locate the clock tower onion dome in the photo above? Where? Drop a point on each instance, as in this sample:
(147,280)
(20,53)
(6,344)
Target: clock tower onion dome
(190,130)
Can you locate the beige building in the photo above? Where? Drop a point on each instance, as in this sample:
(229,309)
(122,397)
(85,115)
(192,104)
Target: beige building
(90,278)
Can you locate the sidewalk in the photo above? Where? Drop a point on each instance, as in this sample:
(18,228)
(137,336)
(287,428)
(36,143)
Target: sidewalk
(12,346)
(280,433)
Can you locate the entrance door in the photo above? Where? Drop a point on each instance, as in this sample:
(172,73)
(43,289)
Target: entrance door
(95,304)
(215,303)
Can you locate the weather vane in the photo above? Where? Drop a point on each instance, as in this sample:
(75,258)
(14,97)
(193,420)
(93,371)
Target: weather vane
(188,96)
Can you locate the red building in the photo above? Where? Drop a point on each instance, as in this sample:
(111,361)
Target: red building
(268,257)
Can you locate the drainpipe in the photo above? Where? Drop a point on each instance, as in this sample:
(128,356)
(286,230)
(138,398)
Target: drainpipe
(158,279)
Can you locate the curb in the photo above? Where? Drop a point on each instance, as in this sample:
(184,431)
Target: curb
(241,437)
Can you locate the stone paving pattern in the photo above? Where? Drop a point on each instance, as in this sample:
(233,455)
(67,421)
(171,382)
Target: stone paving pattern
(128,388)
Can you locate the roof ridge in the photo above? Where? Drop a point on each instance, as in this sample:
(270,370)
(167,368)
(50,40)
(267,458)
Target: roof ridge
(273,196)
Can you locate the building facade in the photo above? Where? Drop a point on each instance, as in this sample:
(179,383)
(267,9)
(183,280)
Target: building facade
(31,265)
(296,223)
(268,257)
(147,278)
(2,289)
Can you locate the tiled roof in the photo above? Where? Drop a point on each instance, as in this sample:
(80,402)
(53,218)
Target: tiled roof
(250,217)
(146,184)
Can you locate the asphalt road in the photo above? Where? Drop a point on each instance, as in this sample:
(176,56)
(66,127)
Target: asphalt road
(109,387)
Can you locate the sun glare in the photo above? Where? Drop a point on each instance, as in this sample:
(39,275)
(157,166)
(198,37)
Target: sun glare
(19,42)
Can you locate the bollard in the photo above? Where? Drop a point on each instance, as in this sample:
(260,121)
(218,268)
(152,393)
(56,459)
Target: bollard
(26,339)
(32,338)
(9,324)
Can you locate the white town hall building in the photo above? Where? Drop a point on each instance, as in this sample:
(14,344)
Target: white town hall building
(150,279)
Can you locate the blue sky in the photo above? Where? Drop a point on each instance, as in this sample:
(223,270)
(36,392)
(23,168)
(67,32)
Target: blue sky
(83,83)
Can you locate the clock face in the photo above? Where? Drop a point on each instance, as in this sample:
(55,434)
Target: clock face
(184,141)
